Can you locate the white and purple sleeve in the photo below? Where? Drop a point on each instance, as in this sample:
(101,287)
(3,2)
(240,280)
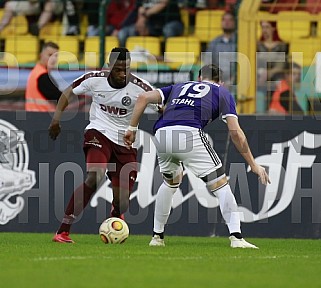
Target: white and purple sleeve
(165,93)
(227,104)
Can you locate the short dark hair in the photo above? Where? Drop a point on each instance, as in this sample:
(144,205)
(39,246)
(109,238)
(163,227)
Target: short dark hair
(119,54)
(211,72)
(50,44)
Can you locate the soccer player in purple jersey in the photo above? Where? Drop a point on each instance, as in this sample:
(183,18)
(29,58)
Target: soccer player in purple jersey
(180,139)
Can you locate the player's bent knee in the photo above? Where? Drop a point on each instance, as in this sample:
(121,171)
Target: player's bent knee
(218,185)
(171,185)
(171,181)
(216,179)
(94,178)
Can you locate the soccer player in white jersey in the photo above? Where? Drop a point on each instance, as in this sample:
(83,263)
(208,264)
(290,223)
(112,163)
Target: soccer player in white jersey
(180,139)
(114,93)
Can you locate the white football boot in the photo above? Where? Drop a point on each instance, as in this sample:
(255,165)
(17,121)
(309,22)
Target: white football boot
(241,243)
(157,241)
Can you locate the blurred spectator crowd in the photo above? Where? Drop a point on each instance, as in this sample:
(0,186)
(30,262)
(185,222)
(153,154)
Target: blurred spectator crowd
(190,32)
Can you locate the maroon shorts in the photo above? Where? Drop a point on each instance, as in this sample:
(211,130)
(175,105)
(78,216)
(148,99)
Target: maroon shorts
(119,161)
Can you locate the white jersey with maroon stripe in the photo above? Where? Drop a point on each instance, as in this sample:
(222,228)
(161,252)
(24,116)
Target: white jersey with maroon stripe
(111,108)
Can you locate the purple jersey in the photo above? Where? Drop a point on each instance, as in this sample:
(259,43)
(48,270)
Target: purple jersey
(194,104)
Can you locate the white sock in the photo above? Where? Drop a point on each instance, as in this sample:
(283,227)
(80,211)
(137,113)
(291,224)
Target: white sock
(163,207)
(228,208)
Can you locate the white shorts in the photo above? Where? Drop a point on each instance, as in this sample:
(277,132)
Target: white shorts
(190,146)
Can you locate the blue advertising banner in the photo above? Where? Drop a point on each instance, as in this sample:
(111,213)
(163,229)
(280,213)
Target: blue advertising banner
(38,176)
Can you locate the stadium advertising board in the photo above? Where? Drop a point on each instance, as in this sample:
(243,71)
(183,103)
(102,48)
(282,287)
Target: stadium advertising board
(38,176)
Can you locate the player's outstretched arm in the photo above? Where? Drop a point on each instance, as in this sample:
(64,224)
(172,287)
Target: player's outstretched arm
(239,139)
(54,127)
(142,101)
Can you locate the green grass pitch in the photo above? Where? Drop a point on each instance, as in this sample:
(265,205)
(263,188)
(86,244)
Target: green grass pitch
(32,260)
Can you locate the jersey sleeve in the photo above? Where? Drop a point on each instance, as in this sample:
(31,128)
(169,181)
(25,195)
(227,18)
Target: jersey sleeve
(227,105)
(165,93)
(81,85)
(150,87)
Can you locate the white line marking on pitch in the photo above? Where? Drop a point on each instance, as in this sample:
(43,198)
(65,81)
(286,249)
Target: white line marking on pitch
(106,257)
(67,258)
(163,257)
(271,257)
